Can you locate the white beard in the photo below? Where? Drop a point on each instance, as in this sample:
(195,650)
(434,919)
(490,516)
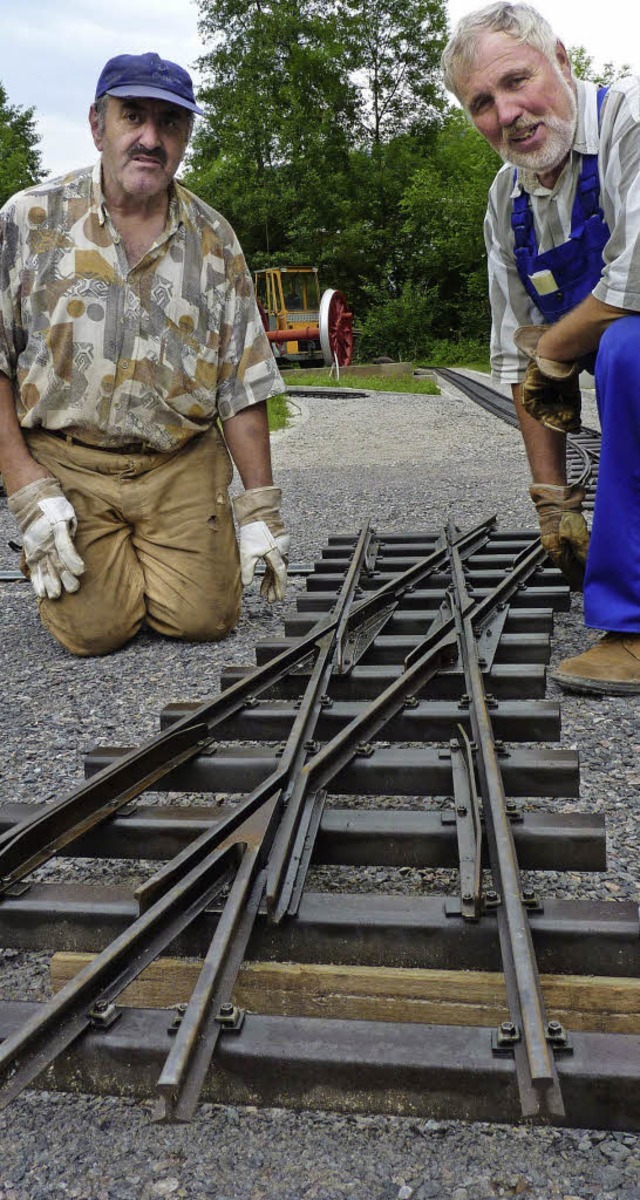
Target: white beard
(560,135)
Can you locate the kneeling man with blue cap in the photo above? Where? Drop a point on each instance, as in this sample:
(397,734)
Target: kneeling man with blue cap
(129,340)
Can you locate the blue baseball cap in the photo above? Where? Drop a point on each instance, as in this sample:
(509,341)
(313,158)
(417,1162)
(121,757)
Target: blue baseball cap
(147,75)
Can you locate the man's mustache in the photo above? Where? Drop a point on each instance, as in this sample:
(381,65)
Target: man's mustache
(157,155)
(520,125)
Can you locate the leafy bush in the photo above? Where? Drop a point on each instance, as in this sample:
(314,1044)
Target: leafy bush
(464,352)
(397,327)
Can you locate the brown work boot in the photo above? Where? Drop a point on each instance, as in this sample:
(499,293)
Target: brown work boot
(610,668)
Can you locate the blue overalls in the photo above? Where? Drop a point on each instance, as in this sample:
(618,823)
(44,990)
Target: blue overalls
(567,274)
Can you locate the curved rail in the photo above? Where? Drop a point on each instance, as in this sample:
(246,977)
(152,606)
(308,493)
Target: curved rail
(583,447)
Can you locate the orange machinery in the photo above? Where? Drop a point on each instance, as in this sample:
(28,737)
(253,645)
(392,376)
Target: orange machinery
(303,326)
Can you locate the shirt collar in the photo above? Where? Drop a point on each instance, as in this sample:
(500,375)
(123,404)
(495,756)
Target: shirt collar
(97,193)
(175,217)
(586,138)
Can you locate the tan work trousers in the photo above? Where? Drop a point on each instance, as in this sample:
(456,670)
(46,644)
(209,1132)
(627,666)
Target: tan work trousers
(156,534)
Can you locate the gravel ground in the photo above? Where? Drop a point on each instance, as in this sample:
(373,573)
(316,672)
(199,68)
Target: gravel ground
(407,463)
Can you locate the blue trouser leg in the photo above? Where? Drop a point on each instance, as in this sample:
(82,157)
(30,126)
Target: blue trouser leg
(612,580)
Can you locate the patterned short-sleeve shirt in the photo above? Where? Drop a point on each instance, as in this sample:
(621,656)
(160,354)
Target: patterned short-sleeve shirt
(153,352)
(616,142)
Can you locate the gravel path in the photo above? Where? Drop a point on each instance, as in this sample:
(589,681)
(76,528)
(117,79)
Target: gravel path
(406,462)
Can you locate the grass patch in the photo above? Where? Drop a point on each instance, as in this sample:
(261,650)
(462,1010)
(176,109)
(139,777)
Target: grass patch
(369,383)
(469,353)
(277,412)
(485,366)
(462,364)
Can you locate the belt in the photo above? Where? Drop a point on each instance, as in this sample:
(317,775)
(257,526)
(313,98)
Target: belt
(124,448)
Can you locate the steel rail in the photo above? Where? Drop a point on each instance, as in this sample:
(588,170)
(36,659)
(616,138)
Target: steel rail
(88,998)
(536,1070)
(468,826)
(295,751)
(293,835)
(185,1069)
(301,741)
(207,865)
(167,904)
(38,838)
(170,901)
(439,646)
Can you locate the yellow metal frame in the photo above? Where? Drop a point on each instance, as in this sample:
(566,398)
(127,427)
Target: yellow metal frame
(272,296)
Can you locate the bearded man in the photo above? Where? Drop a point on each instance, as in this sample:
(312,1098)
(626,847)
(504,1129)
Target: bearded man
(129,338)
(562,232)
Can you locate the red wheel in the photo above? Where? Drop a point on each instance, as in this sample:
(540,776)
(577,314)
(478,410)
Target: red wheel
(336,328)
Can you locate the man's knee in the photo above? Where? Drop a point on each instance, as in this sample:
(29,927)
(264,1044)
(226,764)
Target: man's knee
(87,635)
(619,345)
(213,629)
(200,618)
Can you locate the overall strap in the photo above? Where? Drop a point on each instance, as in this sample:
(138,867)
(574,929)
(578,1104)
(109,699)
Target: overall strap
(522,220)
(589,182)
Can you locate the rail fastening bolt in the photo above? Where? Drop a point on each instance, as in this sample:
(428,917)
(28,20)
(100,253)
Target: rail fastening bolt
(508,1028)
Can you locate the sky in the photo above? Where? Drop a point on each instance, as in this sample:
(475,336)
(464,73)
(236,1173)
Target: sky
(52,52)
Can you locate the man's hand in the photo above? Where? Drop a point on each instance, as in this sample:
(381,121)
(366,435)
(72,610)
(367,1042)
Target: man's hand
(262,535)
(563,529)
(48,523)
(550,390)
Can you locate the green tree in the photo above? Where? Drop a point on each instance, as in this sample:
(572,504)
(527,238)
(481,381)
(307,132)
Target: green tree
(20,164)
(274,147)
(317,114)
(444,291)
(394,49)
(584,68)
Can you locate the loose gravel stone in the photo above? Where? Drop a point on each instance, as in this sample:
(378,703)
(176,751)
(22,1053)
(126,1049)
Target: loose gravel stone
(406,463)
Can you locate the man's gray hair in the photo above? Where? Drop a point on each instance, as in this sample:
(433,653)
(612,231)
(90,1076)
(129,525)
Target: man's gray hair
(520,21)
(100,107)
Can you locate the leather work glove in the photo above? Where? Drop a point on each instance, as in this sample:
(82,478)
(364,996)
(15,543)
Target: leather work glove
(48,523)
(550,390)
(563,529)
(262,535)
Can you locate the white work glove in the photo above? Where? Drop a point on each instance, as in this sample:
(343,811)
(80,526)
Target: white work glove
(48,524)
(563,529)
(526,338)
(262,535)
